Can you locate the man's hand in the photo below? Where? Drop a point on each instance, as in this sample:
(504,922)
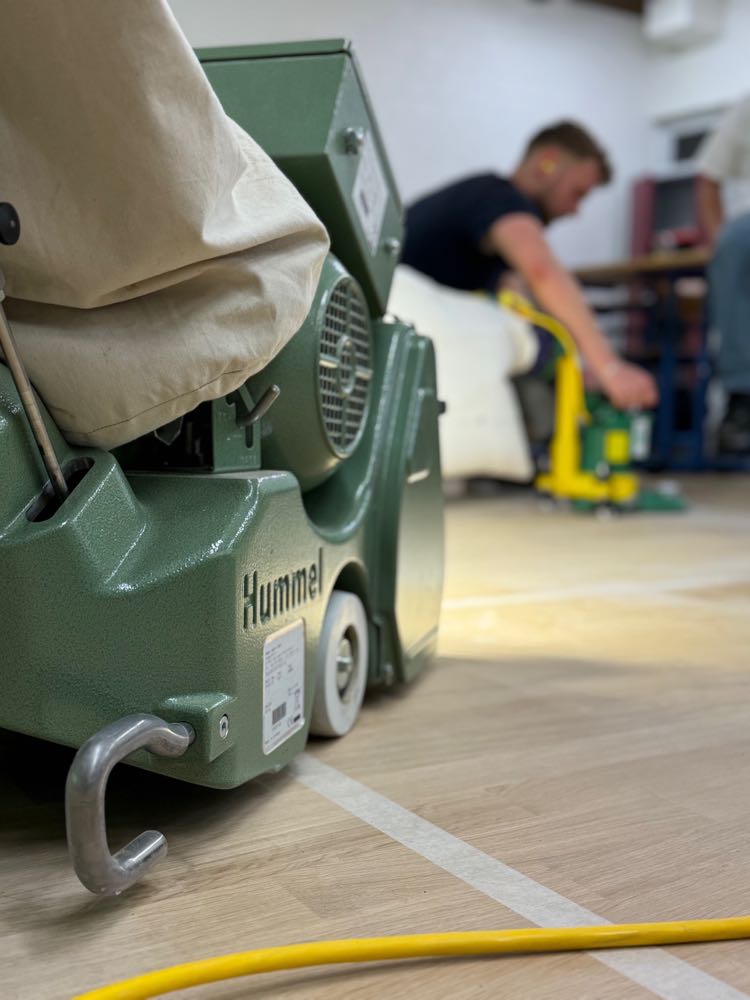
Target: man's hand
(627,386)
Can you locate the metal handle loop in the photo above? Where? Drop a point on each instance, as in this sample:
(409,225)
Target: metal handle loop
(85,790)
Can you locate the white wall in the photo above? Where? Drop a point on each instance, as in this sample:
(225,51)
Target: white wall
(705,77)
(459,85)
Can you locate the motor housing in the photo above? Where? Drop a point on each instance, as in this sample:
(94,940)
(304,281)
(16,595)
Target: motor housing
(324,374)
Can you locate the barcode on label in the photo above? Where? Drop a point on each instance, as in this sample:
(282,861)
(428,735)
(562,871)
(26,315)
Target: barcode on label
(278,713)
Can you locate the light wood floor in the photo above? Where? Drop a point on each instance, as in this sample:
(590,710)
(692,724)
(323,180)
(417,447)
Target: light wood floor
(587,724)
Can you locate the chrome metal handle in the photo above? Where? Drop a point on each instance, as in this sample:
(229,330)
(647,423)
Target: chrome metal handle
(85,791)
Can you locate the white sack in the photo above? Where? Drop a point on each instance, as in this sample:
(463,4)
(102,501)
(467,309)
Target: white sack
(478,346)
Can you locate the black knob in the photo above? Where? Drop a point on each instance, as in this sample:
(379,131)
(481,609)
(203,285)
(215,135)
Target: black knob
(10,225)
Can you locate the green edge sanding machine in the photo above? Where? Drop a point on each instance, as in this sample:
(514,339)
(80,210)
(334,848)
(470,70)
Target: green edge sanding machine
(206,596)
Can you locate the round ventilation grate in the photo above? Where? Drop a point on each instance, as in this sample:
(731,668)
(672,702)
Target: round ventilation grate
(345,367)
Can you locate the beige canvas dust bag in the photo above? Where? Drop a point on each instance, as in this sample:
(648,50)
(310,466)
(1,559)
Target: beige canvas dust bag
(163,257)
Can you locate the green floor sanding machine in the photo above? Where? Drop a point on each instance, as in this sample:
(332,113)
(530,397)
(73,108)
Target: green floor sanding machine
(203,598)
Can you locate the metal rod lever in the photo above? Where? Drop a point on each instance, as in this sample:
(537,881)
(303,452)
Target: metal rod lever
(8,345)
(261,408)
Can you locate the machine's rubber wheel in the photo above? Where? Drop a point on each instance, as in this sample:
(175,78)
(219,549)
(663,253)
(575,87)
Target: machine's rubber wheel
(342,666)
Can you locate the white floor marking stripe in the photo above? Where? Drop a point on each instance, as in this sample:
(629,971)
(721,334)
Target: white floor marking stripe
(606,588)
(656,970)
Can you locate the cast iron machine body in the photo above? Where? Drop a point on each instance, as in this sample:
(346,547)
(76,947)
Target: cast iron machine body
(183,588)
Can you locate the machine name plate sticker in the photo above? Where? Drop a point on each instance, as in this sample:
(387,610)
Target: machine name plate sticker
(283,685)
(370,192)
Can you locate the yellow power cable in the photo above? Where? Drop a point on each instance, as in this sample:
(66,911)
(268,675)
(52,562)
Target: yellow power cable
(462,943)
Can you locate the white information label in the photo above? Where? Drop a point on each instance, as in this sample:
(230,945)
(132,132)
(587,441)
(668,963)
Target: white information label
(370,192)
(283,685)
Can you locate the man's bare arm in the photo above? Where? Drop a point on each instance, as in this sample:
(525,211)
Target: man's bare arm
(520,239)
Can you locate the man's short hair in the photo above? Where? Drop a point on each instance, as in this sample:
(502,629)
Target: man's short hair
(574,139)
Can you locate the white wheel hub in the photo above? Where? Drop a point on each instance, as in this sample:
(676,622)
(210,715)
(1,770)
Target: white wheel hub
(341,674)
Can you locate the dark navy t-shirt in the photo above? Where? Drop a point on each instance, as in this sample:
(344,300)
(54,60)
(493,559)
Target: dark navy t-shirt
(444,231)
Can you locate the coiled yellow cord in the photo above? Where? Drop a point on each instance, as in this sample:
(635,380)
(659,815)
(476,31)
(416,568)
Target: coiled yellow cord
(534,939)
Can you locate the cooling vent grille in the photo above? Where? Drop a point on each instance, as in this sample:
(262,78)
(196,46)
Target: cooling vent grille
(345,367)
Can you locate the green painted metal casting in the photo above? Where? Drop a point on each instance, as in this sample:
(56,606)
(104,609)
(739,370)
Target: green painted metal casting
(159,582)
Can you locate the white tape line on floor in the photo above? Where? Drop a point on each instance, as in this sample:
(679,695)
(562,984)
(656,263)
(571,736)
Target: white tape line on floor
(656,970)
